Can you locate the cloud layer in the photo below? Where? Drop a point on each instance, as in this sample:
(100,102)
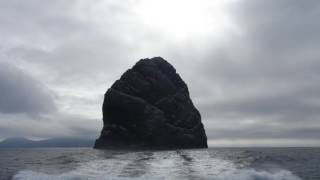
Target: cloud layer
(252,67)
(22,94)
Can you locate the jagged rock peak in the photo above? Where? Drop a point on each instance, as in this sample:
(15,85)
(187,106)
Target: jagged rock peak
(150,107)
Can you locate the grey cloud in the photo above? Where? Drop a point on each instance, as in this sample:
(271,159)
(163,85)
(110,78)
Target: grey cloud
(70,42)
(281,27)
(297,106)
(268,73)
(22,94)
(264,133)
(54,125)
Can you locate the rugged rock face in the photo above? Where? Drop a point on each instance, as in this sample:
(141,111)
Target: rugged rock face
(150,107)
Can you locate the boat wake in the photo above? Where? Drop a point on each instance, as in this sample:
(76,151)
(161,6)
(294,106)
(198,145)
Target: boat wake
(162,165)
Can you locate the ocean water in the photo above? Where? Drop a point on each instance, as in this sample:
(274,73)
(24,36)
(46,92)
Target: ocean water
(212,163)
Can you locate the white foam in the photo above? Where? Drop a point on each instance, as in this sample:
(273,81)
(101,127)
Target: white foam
(160,165)
(247,174)
(251,174)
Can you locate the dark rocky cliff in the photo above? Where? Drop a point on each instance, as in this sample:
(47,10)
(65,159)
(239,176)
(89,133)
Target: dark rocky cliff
(150,107)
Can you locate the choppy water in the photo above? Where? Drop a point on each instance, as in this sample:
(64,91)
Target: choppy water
(213,163)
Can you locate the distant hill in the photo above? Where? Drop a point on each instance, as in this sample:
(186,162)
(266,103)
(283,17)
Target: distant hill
(54,142)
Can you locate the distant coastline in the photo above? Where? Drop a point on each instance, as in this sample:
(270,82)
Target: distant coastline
(20,142)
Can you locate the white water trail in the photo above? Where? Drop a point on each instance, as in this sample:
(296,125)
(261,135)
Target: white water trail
(160,165)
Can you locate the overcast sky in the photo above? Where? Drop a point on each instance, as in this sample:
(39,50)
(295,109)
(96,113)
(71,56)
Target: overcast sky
(252,66)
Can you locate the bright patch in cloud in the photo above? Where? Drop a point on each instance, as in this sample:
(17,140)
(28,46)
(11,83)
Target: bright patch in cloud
(184,19)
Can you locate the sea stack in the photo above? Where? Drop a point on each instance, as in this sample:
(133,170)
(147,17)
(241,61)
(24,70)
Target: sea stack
(150,107)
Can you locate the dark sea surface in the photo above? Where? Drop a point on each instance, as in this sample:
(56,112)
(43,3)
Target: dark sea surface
(212,163)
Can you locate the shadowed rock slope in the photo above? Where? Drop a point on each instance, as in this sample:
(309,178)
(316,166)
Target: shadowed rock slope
(150,107)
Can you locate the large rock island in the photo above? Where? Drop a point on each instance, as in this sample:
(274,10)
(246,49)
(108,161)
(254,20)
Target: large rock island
(150,107)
